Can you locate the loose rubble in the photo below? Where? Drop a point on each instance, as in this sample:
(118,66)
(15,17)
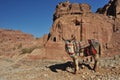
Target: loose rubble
(22,69)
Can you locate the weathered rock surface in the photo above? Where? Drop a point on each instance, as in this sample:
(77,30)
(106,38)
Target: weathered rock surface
(111,9)
(77,20)
(12,42)
(67,8)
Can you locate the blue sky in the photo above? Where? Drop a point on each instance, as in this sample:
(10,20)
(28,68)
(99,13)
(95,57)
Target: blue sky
(34,16)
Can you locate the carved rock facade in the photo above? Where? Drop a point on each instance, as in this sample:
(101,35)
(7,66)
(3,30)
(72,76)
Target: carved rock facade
(78,21)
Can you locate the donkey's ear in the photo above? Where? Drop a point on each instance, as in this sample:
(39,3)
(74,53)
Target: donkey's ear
(73,39)
(63,39)
(66,41)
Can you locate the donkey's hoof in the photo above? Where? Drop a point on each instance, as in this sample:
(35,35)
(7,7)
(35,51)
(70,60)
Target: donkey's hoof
(96,70)
(76,72)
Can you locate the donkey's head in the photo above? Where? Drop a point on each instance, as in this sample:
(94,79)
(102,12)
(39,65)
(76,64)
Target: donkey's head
(69,46)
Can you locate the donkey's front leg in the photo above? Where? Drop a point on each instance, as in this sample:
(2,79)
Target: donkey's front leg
(76,64)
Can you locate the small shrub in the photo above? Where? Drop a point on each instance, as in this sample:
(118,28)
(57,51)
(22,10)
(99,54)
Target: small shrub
(27,50)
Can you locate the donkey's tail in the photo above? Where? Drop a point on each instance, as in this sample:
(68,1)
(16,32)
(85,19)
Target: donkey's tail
(99,50)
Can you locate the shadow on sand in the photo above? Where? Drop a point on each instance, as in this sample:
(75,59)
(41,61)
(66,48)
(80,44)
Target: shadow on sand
(64,66)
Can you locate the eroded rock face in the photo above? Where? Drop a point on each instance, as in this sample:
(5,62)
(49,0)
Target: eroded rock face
(111,9)
(83,27)
(12,35)
(66,8)
(12,42)
(115,40)
(93,26)
(76,20)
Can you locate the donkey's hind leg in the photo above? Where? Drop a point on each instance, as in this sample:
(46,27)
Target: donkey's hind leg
(96,59)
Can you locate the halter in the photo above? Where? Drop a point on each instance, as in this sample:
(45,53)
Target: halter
(72,47)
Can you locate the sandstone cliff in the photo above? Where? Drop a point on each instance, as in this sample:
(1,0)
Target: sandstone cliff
(111,9)
(77,20)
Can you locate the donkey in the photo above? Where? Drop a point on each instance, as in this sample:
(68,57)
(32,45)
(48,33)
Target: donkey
(76,51)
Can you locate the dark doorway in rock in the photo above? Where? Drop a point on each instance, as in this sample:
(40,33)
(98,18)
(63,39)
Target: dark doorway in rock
(54,39)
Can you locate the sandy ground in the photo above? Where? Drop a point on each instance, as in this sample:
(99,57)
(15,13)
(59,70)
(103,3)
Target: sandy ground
(23,69)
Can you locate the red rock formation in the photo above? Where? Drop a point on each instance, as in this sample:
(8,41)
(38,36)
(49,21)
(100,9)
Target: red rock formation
(11,41)
(76,20)
(66,8)
(111,9)
(11,35)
